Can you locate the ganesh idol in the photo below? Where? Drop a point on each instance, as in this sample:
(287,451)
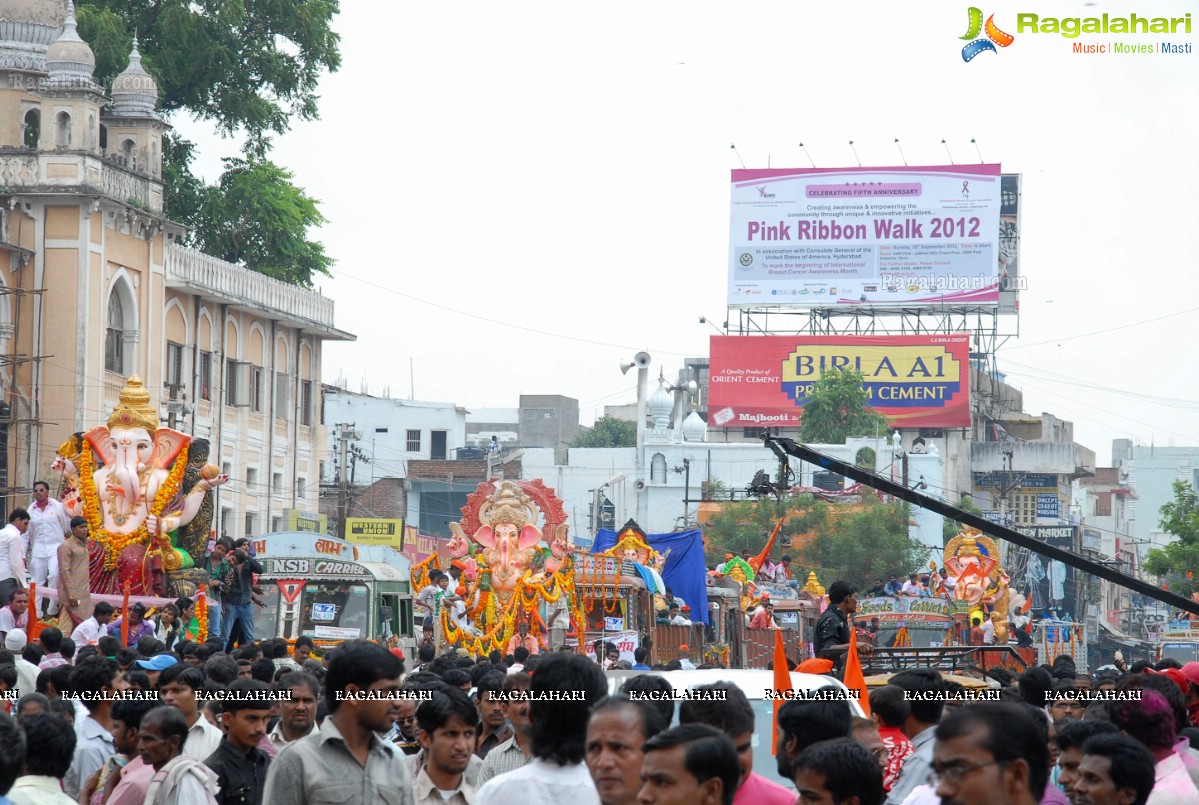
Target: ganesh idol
(135,500)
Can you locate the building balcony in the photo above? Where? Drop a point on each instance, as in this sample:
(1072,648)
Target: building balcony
(78,172)
(1042,458)
(243,289)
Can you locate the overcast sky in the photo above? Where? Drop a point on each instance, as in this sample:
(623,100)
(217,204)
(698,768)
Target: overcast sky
(522,195)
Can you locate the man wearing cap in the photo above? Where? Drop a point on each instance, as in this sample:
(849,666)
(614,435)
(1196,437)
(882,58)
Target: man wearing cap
(156,665)
(720,567)
(74,586)
(1190,672)
(684,660)
(27,672)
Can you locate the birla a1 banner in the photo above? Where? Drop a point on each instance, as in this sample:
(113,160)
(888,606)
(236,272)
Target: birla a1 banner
(893,236)
(914,380)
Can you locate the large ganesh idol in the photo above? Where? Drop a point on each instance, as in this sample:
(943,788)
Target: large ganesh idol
(504,546)
(135,500)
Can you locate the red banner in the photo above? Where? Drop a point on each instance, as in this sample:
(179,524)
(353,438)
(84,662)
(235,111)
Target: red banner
(913,380)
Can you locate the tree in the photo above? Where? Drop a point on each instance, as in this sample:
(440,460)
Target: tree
(608,432)
(249,67)
(839,408)
(864,545)
(258,219)
(1179,517)
(747,525)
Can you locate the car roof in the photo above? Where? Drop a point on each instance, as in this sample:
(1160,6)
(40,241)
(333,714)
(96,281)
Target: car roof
(753,682)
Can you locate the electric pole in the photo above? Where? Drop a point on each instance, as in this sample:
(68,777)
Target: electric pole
(345,432)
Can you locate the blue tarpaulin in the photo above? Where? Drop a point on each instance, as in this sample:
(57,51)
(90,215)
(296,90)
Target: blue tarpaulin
(685,572)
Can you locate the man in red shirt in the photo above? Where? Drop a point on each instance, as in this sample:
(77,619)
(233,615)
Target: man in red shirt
(890,709)
(976,634)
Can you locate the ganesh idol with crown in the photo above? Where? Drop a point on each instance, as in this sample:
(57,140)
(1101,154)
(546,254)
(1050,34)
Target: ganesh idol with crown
(131,491)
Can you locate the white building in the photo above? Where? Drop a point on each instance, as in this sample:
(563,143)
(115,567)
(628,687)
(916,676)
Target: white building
(663,490)
(391,432)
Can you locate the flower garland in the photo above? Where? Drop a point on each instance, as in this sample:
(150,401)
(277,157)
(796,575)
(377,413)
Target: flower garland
(201,616)
(419,574)
(112,541)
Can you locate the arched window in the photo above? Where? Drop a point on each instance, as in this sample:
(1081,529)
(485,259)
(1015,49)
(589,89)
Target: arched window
(33,128)
(114,335)
(657,469)
(865,458)
(103,139)
(153,158)
(62,130)
(129,154)
(91,132)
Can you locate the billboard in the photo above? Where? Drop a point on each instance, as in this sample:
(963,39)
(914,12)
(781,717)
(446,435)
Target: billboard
(1010,280)
(1046,583)
(891,237)
(765,380)
(375,531)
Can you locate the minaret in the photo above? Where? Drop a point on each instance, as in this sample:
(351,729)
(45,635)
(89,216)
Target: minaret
(133,128)
(73,99)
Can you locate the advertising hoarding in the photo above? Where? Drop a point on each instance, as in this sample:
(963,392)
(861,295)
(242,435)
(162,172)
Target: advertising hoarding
(1010,278)
(375,531)
(891,237)
(1047,583)
(913,380)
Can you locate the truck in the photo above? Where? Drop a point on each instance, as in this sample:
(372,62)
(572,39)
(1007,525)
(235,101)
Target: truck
(331,590)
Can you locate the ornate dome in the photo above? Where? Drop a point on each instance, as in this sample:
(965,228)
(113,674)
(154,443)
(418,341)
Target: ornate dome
(134,92)
(661,404)
(27,28)
(694,428)
(70,60)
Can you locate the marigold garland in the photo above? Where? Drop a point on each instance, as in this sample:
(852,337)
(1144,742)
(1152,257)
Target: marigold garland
(112,541)
(201,616)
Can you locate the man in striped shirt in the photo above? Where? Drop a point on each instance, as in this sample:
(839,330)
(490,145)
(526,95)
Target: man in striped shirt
(517,750)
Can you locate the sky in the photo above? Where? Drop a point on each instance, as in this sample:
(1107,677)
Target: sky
(523,195)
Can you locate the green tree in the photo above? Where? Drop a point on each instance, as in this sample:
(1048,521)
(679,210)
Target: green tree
(745,526)
(861,546)
(839,408)
(250,67)
(608,432)
(258,218)
(1179,517)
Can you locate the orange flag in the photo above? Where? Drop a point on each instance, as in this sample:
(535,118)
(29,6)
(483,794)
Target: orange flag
(35,625)
(782,682)
(854,680)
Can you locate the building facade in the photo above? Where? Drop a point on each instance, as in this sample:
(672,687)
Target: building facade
(94,288)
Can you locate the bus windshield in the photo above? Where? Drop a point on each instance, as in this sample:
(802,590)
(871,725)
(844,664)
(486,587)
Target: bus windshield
(334,610)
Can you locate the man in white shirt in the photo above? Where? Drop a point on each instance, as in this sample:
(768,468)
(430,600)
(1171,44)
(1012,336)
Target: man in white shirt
(557,773)
(12,552)
(92,629)
(989,632)
(912,586)
(49,525)
(178,685)
(297,715)
(27,672)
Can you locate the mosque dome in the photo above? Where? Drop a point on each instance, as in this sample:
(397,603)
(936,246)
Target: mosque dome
(661,404)
(694,428)
(69,59)
(27,29)
(134,92)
